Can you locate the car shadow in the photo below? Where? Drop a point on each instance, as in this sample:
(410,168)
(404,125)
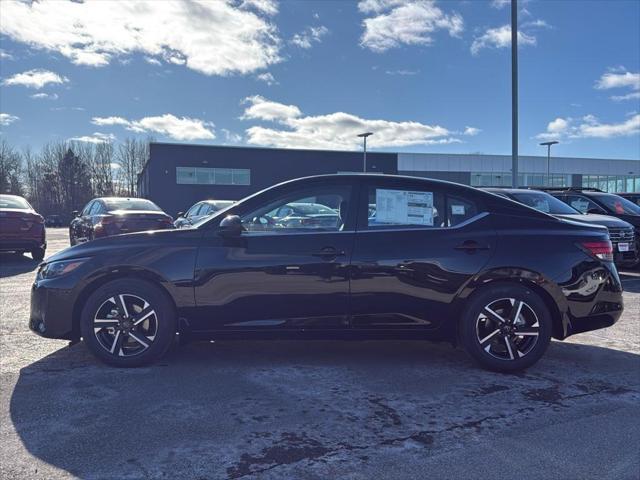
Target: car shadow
(15,264)
(230,409)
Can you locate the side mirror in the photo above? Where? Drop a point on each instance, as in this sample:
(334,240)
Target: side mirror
(594,211)
(231,226)
(75,213)
(180,214)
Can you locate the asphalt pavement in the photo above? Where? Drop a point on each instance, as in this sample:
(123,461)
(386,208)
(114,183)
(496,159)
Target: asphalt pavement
(314,410)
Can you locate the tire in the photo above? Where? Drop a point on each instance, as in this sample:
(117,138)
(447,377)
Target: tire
(492,339)
(38,254)
(128,336)
(72,239)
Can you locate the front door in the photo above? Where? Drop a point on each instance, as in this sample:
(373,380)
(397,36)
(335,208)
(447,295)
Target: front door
(280,273)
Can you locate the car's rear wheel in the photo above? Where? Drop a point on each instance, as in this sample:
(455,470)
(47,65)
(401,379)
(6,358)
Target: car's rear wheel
(38,254)
(506,327)
(128,323)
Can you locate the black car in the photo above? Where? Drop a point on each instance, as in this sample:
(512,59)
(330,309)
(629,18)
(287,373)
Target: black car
(632,197)
(621,233)
(199,211)
(592,200)
(438,261)
(104,217)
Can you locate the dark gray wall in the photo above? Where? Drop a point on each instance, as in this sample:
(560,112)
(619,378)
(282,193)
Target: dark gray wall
(268,166)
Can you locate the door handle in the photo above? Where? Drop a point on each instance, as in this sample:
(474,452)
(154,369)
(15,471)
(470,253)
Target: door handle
(471,246)
(329,253)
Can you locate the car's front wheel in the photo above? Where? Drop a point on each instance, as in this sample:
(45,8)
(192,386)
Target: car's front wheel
(506,327)
(128,323)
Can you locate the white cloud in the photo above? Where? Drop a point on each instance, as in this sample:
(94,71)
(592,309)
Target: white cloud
(619,77)
(500,37)
(97,137)
(36,78)
(471,131)
(337,130)
(262,109)
(500,3)
(309,36)
(183,128)
(45,96)
(231,137)
(6,119)
(267,78)
(152,61)
(590,127)
(393,23)
(402,73)
(6,55)
(211,37)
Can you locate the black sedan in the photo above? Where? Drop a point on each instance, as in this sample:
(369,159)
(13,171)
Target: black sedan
(437,261)
(621,233)
(199,211)
(104,217)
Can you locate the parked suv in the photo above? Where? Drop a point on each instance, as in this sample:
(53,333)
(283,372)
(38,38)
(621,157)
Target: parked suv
(21,227)
(632,197)
(592,200)
(621,233)
(199,211)
(103,217)
(438,261)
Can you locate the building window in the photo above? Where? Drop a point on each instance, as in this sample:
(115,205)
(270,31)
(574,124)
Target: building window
(503,179)
(213,176)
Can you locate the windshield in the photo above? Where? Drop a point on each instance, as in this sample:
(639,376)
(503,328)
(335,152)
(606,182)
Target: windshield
(311,209)
(8,201)
(131,204)
(544,202)
(617,205)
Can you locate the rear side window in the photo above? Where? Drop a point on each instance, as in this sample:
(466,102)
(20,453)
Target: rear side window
(460,210)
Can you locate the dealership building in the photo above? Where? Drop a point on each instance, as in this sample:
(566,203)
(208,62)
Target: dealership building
(178,175)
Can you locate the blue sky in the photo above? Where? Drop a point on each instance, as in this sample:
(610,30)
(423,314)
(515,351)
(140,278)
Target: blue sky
(424,76)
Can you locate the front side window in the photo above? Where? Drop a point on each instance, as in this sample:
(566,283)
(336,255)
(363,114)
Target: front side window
(618,205)
(582,204)
(87,208)
(322,209)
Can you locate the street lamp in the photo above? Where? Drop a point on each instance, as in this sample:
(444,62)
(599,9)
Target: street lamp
(364,138)
(548,145)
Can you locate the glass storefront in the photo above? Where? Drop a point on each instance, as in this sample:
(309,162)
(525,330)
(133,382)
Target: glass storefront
(612,183)
(503,179)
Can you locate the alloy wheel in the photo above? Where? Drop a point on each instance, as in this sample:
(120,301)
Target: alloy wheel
(507,329)
(125,325)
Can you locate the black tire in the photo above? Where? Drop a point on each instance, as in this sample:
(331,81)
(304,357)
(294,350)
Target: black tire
(72,239)
(101,311)
(506,351)
(38,254)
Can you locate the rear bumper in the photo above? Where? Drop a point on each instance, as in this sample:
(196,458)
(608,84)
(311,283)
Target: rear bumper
(594,299)
(22,244)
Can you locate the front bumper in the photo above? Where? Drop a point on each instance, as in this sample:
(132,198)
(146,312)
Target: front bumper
(52,311)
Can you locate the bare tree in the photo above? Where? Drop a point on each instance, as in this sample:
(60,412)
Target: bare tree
(131,158)
(10,169)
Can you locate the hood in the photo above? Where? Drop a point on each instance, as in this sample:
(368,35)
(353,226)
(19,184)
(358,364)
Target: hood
(100,245)
(632,219)
(594,219)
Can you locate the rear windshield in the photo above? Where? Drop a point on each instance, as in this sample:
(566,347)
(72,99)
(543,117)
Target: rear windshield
(544,202)
(14,202)
(617,205)
(131,204)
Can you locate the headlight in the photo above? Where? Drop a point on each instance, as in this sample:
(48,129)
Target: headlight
(56,269)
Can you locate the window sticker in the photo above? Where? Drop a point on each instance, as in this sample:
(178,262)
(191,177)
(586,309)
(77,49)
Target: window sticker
(403,207)
(457,209)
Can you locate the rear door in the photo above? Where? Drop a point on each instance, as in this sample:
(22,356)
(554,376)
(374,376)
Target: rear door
(414,254)
(276,276)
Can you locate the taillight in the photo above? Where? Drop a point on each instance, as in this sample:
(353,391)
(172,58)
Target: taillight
(602,250)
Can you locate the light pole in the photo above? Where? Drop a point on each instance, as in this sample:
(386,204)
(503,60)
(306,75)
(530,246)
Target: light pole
(364,138)
(548,145)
